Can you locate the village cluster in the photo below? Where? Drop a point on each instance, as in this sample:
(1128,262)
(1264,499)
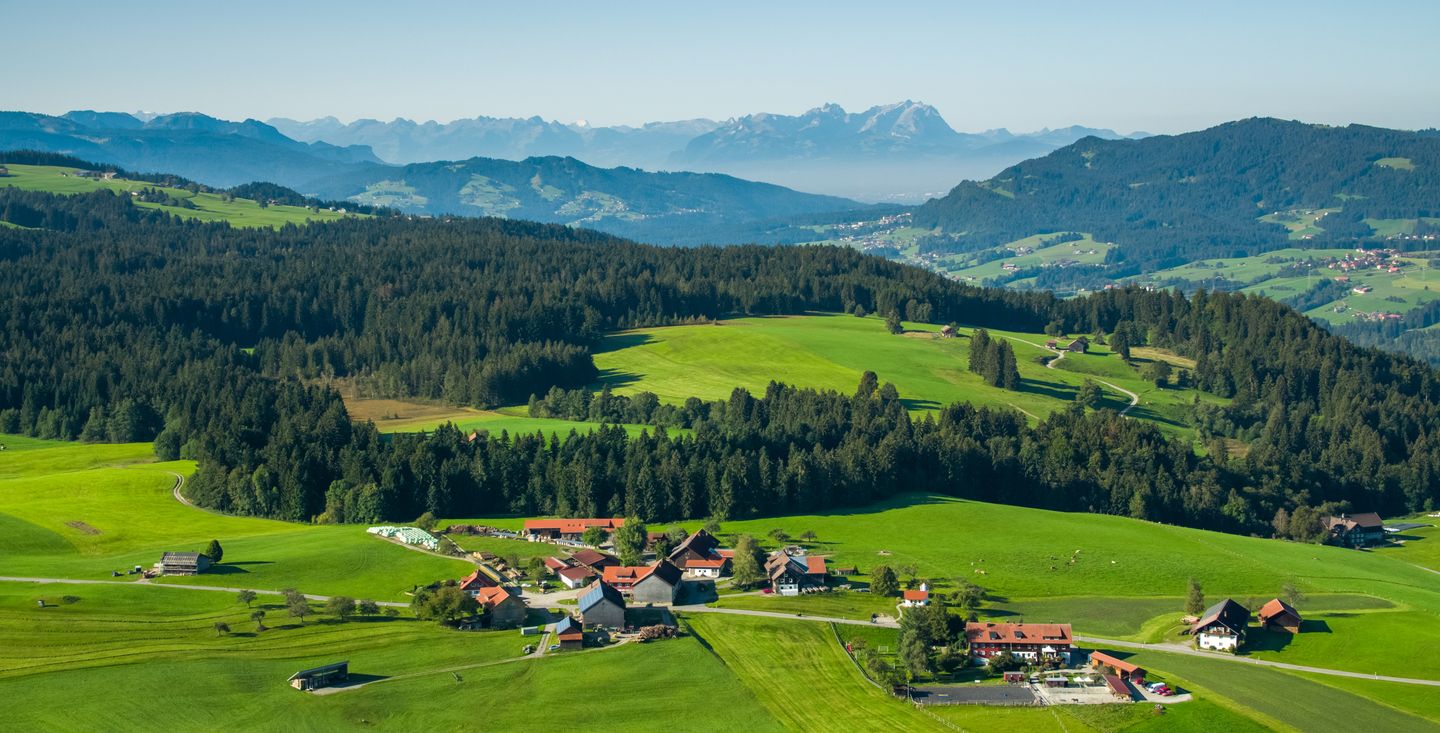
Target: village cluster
(604,602)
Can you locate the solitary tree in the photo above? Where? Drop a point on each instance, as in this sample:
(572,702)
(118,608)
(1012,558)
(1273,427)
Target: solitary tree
(445,604)
(712,525)
(221,628)
(883,581)
(367,607)
(1291,595)
(779,535)
(341,607)
(258,616)
(1194,598)
(425,521)
(246,597)
(1089,395)
(746,570)
(215,552)
(299,608)
(536,568)
(892,323)
(807,536)
(967,595)
(1158,372)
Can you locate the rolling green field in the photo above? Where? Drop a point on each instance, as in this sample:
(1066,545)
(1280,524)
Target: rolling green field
(78,511)
(208,206)
(81,511)
(832,351)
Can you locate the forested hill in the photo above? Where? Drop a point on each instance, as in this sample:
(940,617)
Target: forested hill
(657,207)
(1175,198)
(214,341)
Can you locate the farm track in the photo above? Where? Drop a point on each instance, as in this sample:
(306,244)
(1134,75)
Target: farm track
(146,584)
(1134,398)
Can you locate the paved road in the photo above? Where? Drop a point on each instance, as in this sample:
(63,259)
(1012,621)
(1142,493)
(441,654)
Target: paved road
(1134,398)
(140,584)
(1181,649)
(886,622)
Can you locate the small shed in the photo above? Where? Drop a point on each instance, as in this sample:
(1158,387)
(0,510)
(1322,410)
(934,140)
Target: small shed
(947,332)
(1123,669)
(311,679)
(569,633)
(1014,678)
(1118,687)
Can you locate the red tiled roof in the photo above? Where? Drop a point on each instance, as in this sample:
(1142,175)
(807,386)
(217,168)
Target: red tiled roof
(978,632)
(625,574)
(476,580)
(491,597)
(726,553)
(572,526)
(917,595)
(709,562)
(591,557)
(815,565)
(556,564)
(577,573)
(1120,665)
(1277,607)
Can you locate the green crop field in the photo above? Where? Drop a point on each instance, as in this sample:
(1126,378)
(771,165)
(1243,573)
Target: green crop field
(832,351)
(208,206)
(1085,251)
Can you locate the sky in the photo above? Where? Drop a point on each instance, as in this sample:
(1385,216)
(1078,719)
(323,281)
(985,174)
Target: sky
(1152,66)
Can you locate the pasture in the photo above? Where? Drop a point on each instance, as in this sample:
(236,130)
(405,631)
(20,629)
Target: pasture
(81,511)
(208,206)
(832,351)
(411,416)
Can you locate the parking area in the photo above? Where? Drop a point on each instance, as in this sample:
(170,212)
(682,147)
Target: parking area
(974,695)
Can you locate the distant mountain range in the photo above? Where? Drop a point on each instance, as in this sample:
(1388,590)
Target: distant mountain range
(662,208)
(896,152)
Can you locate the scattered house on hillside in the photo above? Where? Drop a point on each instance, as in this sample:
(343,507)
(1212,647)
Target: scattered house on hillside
(314,679)
(1354,530)
(795,574)
(1361,289)
(502,609)
(947,332)
(1052,344)
(660,585)
(542,530)
(1126,670)
(913,598)
(596,560)
(476,582)
(575,577)
(1222,627)
(1278,615)
(700,555)
(602,605)
(1079,346)
(182,563)
(1031,642)
(4,171)
(570,634)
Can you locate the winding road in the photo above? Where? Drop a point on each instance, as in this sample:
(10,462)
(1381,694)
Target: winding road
(1134,398)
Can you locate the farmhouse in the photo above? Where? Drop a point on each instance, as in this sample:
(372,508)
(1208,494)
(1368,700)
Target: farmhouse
(700,555)
(624,577)
(1354,530)
(602,605)
(476,582)
(1126,670)
(539,530)
(1031,642)
(947,332)
(570,634)
(311,679)
(660,585)
(1278,615)
(596,560)
(502,610)
(912,598)
(183,563)
(1222,627)
(793,574)
(1079,346)
(575,577)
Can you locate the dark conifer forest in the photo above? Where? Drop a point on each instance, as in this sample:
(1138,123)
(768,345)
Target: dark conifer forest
(119,323)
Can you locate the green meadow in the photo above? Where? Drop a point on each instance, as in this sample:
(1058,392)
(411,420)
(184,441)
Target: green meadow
(208,206)
(833,351)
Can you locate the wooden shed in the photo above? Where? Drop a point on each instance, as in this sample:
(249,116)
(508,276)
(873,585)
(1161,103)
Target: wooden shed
(311,679)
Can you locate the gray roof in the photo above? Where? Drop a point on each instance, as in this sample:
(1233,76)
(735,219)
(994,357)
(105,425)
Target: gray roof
(180,557)
(600,591)
(319,670)
(565,624)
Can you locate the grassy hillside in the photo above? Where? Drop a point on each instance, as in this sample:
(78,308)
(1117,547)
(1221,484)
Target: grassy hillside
(81,511)
(208,206)
(832,351)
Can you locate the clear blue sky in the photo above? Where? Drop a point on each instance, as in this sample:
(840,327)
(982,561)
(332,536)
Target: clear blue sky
(1155,66)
